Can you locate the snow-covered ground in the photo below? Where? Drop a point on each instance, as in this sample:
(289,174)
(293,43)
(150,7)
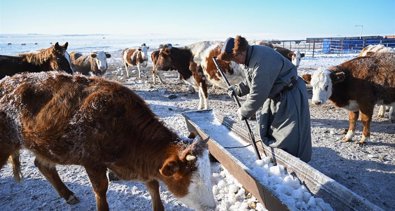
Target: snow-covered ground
(369,170)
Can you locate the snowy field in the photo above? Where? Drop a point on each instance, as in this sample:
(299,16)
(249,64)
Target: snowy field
(369,170)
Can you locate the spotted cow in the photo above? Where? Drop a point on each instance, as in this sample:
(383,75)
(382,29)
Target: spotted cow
(357,85)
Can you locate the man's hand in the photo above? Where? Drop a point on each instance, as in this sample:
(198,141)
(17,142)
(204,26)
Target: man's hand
(231,91)
(241,117)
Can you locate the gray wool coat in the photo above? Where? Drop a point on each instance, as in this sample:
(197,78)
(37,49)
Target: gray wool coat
(284,118)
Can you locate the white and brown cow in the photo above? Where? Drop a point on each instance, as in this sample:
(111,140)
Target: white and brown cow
(102,125)
(357,85)
(181,59)
(372,49)
(135,57)
(93,64)
(203,55)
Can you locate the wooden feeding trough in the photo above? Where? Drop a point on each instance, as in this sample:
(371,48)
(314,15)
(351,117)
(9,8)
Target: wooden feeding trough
(320,185)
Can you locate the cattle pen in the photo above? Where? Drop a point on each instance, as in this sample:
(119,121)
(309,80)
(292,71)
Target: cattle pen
(333,45)
(319,185)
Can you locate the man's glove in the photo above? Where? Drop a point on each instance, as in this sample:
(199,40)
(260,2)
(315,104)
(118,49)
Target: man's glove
(231,91)
(241,117)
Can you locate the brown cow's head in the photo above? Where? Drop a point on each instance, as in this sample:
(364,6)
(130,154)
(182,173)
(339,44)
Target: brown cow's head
(188,176)
(164,61)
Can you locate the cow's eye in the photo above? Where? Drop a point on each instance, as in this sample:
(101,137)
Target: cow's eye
(326,88)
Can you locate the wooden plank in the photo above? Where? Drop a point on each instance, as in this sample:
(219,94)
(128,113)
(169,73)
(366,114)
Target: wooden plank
(240,172)
(320,185)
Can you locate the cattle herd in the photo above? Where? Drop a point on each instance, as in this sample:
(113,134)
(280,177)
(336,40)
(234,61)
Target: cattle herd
(54,104)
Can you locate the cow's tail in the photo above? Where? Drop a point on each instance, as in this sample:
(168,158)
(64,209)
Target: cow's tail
(16,165)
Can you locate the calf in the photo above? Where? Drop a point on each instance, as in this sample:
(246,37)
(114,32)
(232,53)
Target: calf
(92,64)
(135,57)
(357,85)
(99,124)
(181,59)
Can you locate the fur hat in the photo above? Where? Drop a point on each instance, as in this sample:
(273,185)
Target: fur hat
(233,46)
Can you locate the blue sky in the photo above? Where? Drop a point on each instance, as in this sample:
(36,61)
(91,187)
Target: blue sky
(206,18)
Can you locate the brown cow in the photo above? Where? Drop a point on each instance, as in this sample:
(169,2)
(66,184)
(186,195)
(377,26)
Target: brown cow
(181,59)
(357,85)
(93,64)
(370,50)
(293,56)
(154,58)
(55,57)
(99,124)
(135,57)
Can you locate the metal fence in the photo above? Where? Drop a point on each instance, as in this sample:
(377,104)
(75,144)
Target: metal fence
(334,45)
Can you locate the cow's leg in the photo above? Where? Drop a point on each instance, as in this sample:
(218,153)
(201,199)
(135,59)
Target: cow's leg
(126,69)
(160,79)
(98,178)
(391,114)
(352,118)
(381,111)
(156,74)
(205,94)
(16,166)
(139,70)
(153,189)
(201,103)
(5,151)
(366,118)
(153,77)
(153,74)
(50,173)
(203,98)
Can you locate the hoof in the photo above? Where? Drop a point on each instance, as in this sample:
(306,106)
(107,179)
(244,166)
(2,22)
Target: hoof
(72,200)
(112,176)
(361,143)
(344,139)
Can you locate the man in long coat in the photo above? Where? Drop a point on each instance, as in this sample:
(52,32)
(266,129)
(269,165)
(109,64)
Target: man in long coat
(273,85)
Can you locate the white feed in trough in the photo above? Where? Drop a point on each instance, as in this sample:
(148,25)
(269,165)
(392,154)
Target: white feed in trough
(284,186)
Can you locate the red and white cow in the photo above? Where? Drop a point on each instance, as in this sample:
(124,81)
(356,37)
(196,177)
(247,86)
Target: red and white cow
(372,49)
(203,55)
(181,59)
(357,85)
(135,57)
(93,64)
(102,125)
